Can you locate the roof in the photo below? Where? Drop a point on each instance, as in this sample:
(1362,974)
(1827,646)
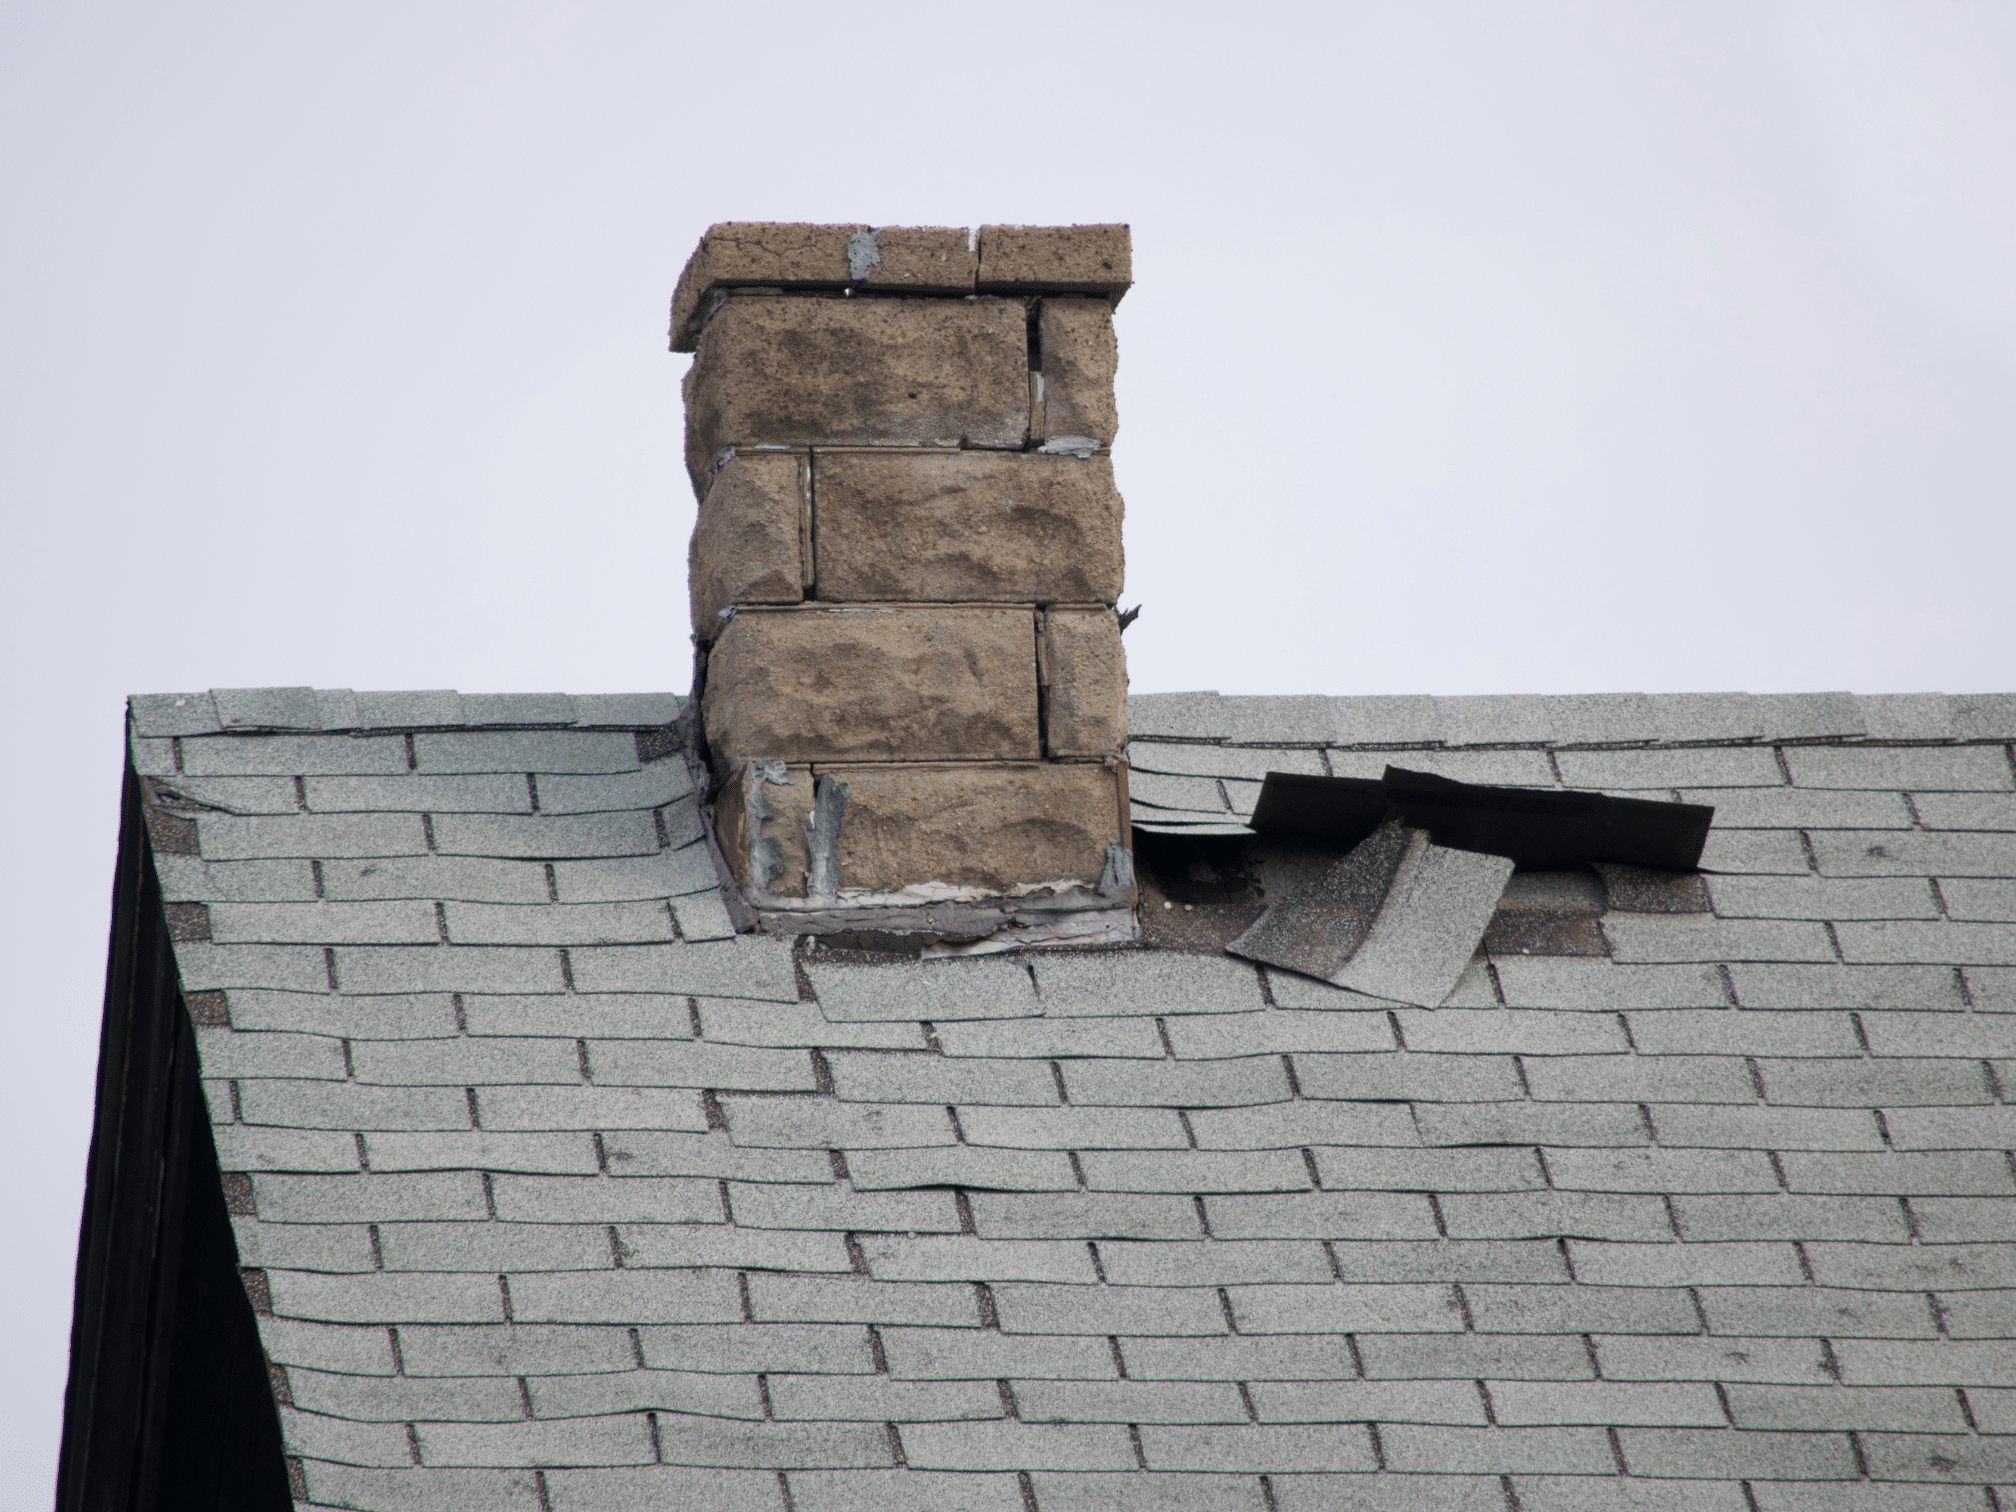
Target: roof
(557,1194)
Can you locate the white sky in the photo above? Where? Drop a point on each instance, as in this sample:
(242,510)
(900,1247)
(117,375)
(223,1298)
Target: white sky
(1496,347)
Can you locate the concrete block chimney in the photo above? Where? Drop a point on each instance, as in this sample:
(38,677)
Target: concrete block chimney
(905,572)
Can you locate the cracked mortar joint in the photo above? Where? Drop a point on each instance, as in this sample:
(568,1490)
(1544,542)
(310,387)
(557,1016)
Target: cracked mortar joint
(864,254)
(764,861)
(822,838)
(1081,447)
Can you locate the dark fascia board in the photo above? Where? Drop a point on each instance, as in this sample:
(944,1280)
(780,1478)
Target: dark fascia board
(169,1404)
(1534,828)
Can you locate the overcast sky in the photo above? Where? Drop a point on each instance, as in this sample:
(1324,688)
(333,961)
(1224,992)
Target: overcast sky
(1497,347)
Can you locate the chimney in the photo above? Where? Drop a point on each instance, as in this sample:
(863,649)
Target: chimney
(904,576)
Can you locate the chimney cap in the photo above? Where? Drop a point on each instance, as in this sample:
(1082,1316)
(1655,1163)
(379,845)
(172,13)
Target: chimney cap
(950,260)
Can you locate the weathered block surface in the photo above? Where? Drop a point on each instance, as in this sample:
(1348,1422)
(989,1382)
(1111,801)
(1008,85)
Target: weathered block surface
(1057,259)
(747,545)
(1080,357)
(988,527)
(1085,692)
(988,827)
(782,254)
(789,803)
(882,684)
(836,372)
(938,259)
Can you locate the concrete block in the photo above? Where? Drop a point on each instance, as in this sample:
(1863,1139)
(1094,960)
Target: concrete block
(882,684)
(829,1300)
(733,254)
(1084,683)
(964,527)
(1056,259)
(860,372)
(1080,355)
(749,537)
(544,751)
(988,828)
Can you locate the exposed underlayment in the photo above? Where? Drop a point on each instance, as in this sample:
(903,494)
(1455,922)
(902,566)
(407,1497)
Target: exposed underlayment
(555,1194)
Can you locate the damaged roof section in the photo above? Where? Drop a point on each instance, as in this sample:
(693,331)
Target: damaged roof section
(1401,914)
